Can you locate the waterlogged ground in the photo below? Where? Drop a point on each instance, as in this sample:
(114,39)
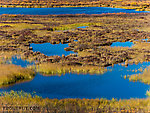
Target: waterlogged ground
(108,85)
(36,39)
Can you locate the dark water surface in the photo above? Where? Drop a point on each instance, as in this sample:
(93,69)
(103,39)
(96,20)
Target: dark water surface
(68,10)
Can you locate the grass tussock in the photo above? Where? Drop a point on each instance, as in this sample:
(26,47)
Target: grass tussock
(144,77)
(53,69)
(10,74)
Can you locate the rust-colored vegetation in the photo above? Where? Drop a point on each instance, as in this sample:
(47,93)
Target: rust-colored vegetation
(92,43)
(139,5)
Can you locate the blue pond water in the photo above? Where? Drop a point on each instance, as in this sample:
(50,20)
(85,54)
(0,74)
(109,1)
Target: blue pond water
(109,85)
(20,62)
(122,44)
(50,49)
(83,27)
(69,10)
(145,40)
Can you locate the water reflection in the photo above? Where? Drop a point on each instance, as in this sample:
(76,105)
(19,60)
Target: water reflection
(109,85)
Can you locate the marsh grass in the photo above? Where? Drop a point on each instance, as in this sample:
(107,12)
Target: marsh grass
(23,99)
(5,57)
(58,69)
(148,93)
(71,26)
(143,77)
(21,26)
(10,74)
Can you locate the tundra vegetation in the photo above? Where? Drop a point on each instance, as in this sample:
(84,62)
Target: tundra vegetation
(32,103)
(143,77)
(10,74)
(139,5)
(92,45)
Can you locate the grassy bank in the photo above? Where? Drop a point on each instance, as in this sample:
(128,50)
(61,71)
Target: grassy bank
(58,69)
(20,101)
(10,74)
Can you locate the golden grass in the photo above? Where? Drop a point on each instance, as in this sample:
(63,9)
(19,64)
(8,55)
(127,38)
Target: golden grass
(21,26)
(10,74)
(71,26)
(53,69)
(144,77)
(85,53)
(22,99)
(142,45)
(41,33)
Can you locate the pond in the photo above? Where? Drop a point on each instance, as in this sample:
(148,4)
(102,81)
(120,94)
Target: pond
(50,49)
(122,44)
(64,10)
(109,85)
(82,27)
(18,61)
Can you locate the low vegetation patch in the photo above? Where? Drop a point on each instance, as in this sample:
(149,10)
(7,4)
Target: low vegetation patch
(10,74)
(11,101)
(58,69)
(144,77)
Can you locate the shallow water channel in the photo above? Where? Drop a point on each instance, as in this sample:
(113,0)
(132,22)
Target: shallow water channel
(108,85)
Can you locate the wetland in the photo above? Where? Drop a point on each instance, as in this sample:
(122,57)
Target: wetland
(79,59)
